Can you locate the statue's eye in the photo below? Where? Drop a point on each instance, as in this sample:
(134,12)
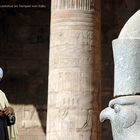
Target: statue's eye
(117,108)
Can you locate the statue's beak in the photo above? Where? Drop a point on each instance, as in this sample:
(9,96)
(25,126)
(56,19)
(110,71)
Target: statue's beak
(107,114)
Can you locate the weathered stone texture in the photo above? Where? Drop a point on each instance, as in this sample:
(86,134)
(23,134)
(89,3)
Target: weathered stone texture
(71,72)
(127,66)
(114,15)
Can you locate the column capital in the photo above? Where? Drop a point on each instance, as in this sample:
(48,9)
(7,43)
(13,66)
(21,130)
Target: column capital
(86,5)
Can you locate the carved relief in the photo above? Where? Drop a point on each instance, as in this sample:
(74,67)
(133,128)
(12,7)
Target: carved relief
(27,116)
(68,62)
(70,108)
(72,37)
(73,127)
(73,4)
(70,81)
(70,100)
(30,117)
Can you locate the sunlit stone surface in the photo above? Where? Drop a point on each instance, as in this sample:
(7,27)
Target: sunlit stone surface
(71,77)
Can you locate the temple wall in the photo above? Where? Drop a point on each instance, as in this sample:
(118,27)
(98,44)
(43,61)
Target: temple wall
(24,46)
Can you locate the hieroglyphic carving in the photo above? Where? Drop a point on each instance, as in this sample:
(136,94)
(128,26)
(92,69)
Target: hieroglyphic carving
(30,117)
(73,4)
(69,100)
(27,116)
(69,62)
(72,114)
(70,81)
(72,37)
(124,114)
(70,108)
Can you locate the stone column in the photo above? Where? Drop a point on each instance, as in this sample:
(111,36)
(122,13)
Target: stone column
(74,86)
